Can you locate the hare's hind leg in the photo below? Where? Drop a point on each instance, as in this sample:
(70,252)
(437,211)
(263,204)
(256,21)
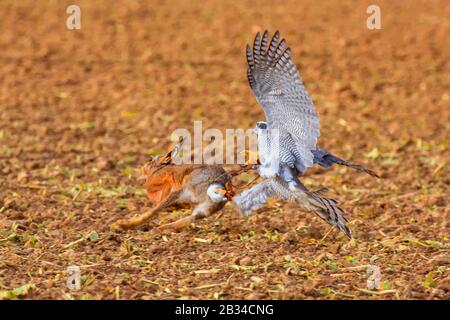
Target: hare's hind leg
(140,219)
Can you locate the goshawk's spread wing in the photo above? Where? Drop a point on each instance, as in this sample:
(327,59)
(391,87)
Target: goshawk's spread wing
(279,89)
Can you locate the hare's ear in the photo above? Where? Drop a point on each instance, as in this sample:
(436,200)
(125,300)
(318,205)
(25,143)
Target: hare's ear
(173,151)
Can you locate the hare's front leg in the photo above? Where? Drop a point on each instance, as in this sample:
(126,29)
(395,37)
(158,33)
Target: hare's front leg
(201,211)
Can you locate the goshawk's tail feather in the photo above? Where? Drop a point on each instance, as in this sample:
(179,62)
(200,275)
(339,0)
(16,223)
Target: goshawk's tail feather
(326,159)
(328,210)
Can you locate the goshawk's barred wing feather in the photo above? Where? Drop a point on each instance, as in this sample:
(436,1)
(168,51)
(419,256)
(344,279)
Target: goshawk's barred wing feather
(327,209)
(279,89)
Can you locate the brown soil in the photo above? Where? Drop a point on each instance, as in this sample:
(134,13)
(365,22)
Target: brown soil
(81,110)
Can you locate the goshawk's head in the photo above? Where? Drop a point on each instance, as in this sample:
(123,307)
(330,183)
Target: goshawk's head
(260,127)
(216,192)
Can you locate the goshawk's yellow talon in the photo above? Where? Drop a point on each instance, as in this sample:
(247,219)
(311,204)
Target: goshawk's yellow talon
(252,157)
